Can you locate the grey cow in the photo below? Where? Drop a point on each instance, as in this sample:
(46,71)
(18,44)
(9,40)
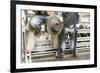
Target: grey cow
(68,34)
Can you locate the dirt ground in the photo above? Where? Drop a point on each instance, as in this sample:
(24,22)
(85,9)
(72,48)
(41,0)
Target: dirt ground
(66,57)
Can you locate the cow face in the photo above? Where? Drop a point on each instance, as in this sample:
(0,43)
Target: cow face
(54,25)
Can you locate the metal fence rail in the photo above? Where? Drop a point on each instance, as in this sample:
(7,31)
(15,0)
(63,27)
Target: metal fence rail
(83,42)
(83,30)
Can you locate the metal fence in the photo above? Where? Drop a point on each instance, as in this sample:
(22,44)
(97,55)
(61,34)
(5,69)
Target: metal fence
(83,43)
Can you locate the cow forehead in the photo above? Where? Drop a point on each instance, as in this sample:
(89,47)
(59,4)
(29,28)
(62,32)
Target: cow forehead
(54,21)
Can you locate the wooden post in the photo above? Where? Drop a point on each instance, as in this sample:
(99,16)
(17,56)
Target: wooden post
(54,41)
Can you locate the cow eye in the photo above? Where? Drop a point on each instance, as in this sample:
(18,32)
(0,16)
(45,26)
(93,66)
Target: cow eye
(57,24)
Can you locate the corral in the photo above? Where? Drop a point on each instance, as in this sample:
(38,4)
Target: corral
(36,48)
